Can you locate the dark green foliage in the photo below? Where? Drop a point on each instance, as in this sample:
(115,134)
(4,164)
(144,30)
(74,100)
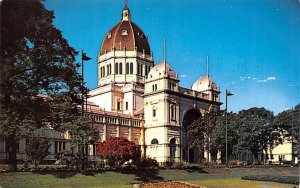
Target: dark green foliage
(279,179)
(254,129)
(202,132)
(83,133)
(146,163)
(289,120)
(35,60)
(37,149)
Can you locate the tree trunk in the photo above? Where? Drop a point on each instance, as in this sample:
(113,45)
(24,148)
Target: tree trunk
(12,153)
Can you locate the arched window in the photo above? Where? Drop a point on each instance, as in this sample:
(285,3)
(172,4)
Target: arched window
(116,68)
(154,141)
(131,68)
(109,69)
(103,71)
(172,113)
(127,68)
(120,68)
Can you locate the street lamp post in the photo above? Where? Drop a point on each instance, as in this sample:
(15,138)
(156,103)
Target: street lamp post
(83,58)
(83,92)
(226,155)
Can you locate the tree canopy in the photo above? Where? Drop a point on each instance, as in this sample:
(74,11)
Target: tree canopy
(289,120)
(37,70)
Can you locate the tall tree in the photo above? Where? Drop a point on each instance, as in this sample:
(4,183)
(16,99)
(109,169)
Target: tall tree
(218,136)
(289,120)
(255,127)
(35,59)
(200,132)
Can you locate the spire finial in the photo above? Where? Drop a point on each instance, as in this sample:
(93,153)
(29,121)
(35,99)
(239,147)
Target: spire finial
(207,73)
(165,50)
(126,12)
(165,55)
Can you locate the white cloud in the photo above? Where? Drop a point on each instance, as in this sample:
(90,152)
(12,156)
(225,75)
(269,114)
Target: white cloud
(242,78)
(233,83)
(254,78)
(262,81)
(271,78)
(183,75)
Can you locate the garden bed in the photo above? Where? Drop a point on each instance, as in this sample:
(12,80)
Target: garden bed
(280,179)
(169,184)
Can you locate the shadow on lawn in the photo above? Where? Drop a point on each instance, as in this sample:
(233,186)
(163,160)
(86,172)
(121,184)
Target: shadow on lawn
(148,175)
(59,174)
(69,173)
(196,169)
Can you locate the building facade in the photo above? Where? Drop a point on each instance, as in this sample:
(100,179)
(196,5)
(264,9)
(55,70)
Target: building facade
(130,84)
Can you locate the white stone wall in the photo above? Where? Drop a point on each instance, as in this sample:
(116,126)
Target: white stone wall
(103,100)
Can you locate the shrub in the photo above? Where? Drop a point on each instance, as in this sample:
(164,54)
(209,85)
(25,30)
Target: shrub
(117,150)
(147,163)
(279,179)
(37,149)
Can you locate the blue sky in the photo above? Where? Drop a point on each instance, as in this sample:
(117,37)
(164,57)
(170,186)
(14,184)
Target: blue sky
(253,45)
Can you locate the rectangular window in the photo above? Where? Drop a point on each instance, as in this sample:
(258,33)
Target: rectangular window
(154,112)
(59,146)
(64,145)
(94,149)
(118,105)
(126,105)
(116,68)
(56,146)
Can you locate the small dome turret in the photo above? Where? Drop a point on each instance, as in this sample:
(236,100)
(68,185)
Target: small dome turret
(205,83)
(162,69)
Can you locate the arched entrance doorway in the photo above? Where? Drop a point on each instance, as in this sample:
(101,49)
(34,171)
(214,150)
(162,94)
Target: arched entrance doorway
(189,154)
(172,149)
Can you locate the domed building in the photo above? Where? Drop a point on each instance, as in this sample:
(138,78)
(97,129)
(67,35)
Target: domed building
(140,100)
(143,101)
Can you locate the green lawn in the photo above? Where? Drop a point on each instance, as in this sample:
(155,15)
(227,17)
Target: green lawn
(214,178)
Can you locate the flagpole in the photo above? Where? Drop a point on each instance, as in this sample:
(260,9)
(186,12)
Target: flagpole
(165,56)
(82,83)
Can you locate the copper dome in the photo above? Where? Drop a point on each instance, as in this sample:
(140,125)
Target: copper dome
(125,34)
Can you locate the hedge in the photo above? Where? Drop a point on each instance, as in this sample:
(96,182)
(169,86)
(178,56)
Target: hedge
(279,179)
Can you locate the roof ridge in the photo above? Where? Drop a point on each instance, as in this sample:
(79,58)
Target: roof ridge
(132,34)
(117,29)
